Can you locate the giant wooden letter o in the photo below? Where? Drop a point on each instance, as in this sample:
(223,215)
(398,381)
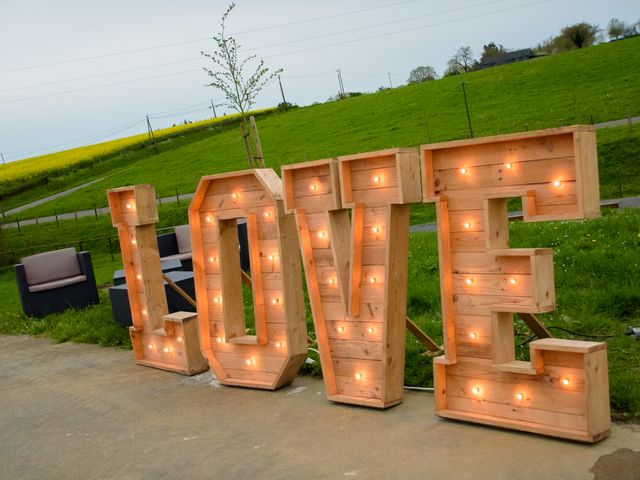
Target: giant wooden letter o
(271,358)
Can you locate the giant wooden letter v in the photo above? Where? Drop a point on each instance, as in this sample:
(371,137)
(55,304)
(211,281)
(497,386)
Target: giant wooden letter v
(357,283)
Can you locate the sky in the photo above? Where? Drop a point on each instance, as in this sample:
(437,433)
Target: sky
(75,72)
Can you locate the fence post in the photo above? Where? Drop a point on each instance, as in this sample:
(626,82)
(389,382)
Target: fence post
(95,211)
(57,221)
(18,224)
(75,214)
(177,196)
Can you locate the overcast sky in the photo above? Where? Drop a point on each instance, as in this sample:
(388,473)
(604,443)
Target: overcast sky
(74,72)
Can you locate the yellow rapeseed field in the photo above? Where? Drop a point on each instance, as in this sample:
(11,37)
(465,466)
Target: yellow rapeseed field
(54,161)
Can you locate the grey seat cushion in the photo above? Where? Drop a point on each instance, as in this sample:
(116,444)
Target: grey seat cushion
(57,283)
(183,238)
(50,266)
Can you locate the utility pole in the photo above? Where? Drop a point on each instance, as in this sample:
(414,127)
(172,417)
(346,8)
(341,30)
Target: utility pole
(2,155)
(213,107)
(390,84)
(466,104)
(340,84)
(284,100)
(149,129)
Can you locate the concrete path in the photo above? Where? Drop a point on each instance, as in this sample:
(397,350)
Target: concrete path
(74,411)
(50,198)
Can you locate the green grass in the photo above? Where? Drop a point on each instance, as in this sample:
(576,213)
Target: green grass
(602,82)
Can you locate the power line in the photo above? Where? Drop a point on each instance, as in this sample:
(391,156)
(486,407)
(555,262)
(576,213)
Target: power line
(57,82)
(370,37)
(98,86)
(166,45)
(396,32)
(288,42)
(94,137)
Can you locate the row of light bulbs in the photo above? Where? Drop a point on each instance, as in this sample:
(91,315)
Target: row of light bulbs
(470,281)
(465,171)
(218,300)
(477,391)
(375,180)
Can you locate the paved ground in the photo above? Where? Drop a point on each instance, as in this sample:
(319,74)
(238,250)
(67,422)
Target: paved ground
(71,411)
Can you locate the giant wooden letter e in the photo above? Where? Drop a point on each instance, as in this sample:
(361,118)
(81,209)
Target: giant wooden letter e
(563,389)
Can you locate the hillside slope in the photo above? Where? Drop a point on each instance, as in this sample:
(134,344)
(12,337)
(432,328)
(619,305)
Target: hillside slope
(599,83)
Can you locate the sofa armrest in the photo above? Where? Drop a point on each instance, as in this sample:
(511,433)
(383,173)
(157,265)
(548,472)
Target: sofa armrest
(86,267)
(167,244)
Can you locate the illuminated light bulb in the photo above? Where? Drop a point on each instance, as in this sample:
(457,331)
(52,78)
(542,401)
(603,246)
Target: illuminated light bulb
(377,179)
(212,259)
(275,301)
(313,187)
(271,258)
(322,234)
(375,229)
(144,311)
(476,390)
(463,171)
(217,300)
(372,280)
(519,396)
(565,381)
(358,376)
(332,281)
(150,347)
(129,206)
(218,340)
(473,335)
(166,349)
(340,329)
(249,361)
(513,281)
(557,183)
(279,344)
(133,242)
(209,218)
(234,196)
(179,339)
(371,330)
(469,281)
(508,165)
(467,225)
(139,277)
(266,214)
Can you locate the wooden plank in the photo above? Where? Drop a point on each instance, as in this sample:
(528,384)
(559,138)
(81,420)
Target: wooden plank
(586,153)
(597,387)
(446,282)
(355,277)
(395,300)
(536,172)
(422,337)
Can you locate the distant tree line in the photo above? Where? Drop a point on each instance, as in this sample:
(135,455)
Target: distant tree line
(571,37)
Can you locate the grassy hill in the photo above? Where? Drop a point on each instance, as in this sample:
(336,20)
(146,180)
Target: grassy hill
(599,83)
